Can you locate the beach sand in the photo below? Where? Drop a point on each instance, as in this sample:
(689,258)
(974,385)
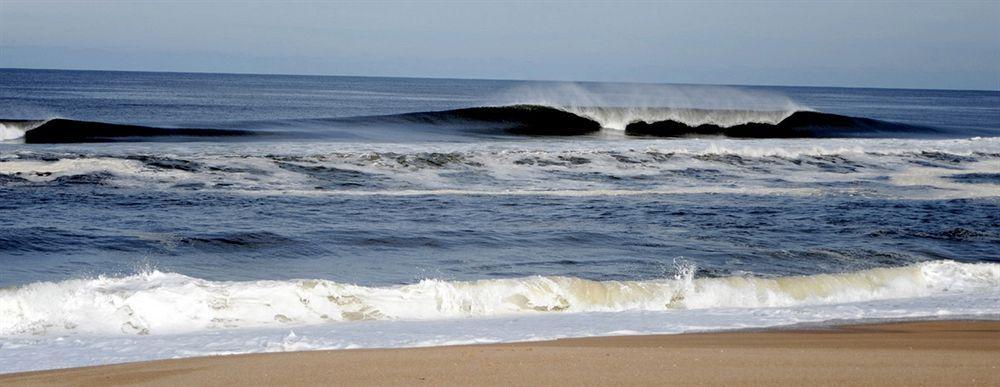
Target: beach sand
(910,353)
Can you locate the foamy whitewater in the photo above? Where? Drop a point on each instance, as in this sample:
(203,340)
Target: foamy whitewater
(149,222)
(158,303)
(13,131)
(171,315)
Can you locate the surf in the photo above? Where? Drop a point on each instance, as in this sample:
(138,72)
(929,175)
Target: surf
(12,130)
(800,124)
(506,120)
(60,130)
(543,120)
(157,302)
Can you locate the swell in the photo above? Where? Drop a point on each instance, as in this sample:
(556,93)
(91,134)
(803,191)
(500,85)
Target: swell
(59,130)
(157,302)
(662,122)
(525,120)
(514,119)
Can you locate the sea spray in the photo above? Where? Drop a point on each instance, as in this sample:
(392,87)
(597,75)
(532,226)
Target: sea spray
(614,106)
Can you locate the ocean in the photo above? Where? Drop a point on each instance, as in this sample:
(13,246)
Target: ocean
(162,215)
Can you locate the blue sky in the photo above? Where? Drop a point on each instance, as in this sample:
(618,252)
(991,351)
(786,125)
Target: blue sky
(953,44)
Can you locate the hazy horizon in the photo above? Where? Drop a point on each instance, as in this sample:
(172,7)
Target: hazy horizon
(882,45)
(583,81)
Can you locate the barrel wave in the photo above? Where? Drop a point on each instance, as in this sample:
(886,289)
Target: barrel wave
(541,120)
(512,120)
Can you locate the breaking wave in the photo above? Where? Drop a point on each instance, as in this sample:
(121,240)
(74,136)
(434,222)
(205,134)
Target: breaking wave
(531,120)
(621,117)
(157,302)
(15,129)
(663,122)
(515,119)
(59,130)
(800,124)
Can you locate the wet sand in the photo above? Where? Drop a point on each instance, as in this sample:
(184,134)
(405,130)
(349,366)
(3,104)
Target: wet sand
(911,353)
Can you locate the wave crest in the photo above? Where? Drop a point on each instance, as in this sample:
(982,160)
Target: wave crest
(619,118)
(59,130)
(538,120)
(157,302)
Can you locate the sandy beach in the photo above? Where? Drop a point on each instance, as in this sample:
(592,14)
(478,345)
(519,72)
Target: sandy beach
(910,353)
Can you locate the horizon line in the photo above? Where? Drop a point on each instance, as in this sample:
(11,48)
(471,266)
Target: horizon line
(491,79)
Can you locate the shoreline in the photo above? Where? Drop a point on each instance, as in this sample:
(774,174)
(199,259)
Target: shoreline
(898,353)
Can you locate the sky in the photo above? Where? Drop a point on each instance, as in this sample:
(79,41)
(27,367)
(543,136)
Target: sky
(915,44)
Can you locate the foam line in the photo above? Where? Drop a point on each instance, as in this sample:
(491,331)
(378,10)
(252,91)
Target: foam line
(157,302)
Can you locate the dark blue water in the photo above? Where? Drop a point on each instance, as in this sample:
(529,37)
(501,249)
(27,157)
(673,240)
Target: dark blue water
(427,203)
(227,100)
(70,231)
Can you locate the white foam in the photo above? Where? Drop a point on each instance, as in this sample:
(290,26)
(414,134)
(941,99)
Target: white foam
(877,167)
(42,171)
(616,105)
(163,315)
(158,303)
(10,131)
(619,118)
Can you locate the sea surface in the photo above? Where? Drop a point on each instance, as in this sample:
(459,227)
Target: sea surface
(162,215)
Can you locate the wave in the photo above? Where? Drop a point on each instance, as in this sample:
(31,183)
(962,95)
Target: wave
(157,302)
(59,130)
(529,120)
(800,124)
(515,119)
(620,118)
(661,122)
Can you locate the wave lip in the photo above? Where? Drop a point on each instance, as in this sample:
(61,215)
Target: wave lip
(515,119)
(157,302)
(59,130)
(618,118)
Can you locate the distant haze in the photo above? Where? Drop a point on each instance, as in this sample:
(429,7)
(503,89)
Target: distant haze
(953,44)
